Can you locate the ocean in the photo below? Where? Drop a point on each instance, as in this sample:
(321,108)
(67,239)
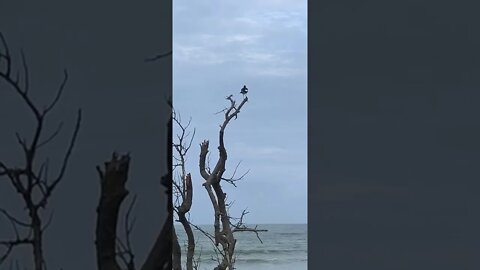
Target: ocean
(284,248)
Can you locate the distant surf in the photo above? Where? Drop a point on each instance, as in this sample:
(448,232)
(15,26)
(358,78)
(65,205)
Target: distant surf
(284,247)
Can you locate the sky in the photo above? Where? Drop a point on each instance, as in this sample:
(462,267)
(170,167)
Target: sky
(218,46)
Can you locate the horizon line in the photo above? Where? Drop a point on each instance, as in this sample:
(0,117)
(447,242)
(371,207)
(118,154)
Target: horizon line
(251,223)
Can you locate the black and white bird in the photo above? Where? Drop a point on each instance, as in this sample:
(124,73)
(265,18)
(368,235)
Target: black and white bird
(244,90)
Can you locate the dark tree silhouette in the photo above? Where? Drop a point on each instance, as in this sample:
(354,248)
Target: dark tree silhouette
(183,190)
(223,238)
(113,192)
(35,185)
(32,180)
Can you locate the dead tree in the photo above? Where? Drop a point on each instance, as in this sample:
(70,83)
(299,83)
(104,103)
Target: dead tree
(32,180)
(110,249)
(160,256)
(183,190)
(224,229)
(112,194)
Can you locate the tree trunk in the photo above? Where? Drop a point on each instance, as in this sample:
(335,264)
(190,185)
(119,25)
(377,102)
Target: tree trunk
(182,211)
(37,241)
(113,192)
(160,257)
(176,252)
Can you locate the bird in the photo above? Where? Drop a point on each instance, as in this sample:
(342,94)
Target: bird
(244,90)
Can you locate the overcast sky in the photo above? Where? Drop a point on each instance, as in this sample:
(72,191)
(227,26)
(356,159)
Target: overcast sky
(218,47)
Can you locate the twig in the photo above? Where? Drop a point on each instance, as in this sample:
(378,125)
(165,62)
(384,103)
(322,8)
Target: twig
(157,57)
(27,180)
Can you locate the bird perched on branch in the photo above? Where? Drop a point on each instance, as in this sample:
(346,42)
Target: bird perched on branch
(244,90)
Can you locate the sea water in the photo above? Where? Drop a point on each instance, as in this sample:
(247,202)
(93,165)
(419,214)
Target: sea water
(284,247)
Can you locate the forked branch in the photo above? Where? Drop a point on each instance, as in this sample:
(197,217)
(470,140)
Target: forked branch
(223,231)
(34,186)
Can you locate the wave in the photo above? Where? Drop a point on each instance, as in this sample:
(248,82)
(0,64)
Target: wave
(269,260)
(268,251)
(267,255)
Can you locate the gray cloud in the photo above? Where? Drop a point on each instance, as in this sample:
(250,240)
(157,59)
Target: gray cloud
(218,47)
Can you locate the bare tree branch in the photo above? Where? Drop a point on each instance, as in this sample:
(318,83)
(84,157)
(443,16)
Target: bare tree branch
(157,57)
(223,231)
(232,179)
(241,227)
(183,189)
(27,180)
(125,250)
(160,256)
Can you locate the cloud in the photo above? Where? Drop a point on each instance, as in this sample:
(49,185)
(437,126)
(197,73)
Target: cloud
(198,55)
(260,152)
(261,39)
(278,19)
(242,38)
(218,47)
(256,152)
(279,71)
(257,57)
(218,40)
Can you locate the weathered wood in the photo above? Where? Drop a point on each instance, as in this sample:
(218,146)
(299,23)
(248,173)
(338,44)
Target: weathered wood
(223,232)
